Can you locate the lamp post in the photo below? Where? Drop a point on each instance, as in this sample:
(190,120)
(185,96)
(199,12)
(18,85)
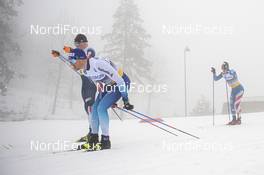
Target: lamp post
(186,49)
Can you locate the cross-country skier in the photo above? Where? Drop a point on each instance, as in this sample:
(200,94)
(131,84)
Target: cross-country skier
(88,89)
(237,92)
(116,84)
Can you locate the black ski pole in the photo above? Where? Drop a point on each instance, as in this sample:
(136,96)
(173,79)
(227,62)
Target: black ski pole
(67,62)
(117,114)
(146,121)
(213,102)
(172,127)
(228,103)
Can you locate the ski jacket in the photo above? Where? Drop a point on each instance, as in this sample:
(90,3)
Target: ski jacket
(231,78)
(104,71)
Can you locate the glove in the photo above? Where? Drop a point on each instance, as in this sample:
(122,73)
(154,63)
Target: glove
(55,53)
(128,106)
(213,70)
(67,49)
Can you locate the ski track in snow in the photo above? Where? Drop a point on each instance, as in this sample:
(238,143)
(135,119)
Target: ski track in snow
(138,148)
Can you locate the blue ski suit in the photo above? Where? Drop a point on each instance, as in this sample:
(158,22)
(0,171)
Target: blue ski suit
(237,90)
(116,84)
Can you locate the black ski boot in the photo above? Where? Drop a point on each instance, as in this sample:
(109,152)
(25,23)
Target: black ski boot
(86,137)
(233,122)
(105,142)
(238,122)
(93,139)
(91,144)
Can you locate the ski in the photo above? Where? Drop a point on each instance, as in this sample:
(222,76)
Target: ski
(90,148)
(77,150)
(66,151)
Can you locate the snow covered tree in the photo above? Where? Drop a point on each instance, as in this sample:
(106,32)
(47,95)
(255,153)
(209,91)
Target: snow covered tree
(127,41)
(7,43)
(202,107)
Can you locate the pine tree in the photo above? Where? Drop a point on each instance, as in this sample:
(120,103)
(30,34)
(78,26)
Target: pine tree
(127,41)
(7,45)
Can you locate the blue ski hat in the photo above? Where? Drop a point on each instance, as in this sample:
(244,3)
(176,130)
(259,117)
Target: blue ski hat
(91,51)
(77,54)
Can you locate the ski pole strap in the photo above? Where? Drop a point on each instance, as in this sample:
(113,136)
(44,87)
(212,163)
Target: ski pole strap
(124,110)
(165,124)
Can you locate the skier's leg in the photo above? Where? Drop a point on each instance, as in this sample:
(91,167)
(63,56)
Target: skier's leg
(107,101)
(88,92)
(93,137)
(94,116)
(239,96)
(88,111)
(232,104)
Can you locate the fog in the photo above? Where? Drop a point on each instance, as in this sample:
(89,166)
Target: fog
(239,40)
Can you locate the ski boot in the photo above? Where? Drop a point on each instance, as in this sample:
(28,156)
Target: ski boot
(86,137)
(105,142)
(238,121)
(233,122)
(92,142)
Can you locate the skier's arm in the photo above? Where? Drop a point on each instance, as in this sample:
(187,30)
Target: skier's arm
(218,77)
(57,54)
(105,68)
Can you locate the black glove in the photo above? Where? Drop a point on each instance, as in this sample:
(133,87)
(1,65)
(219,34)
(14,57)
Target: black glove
(128,106)
(213,70)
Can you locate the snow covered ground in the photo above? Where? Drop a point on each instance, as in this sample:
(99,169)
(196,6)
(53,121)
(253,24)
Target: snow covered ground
(138,148)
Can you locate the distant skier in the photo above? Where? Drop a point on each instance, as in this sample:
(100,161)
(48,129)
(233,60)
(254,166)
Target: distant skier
(236,94)
(116,84)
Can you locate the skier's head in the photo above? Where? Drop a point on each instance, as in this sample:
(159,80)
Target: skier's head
(78,58)
(80,41)
(225,67)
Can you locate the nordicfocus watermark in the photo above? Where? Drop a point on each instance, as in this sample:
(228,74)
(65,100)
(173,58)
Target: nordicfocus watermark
(58,145)
(64,29)
(139,88)
(195,146)
(197,29)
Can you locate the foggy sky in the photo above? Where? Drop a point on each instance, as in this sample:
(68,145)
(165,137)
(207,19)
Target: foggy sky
(243,49)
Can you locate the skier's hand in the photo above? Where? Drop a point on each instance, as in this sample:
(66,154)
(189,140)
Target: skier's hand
(55,53)
(213,70)
(67,49)
(128,106)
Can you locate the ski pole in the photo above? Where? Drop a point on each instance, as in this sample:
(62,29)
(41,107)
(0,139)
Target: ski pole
(228,103)
(117,114)
(67,62)
(165,124)
(146,121)
(213,102)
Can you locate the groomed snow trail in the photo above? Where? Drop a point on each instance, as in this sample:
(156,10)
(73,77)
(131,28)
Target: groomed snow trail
(138,148)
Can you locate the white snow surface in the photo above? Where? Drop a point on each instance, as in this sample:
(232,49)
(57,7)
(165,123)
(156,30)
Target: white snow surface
(137,148)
